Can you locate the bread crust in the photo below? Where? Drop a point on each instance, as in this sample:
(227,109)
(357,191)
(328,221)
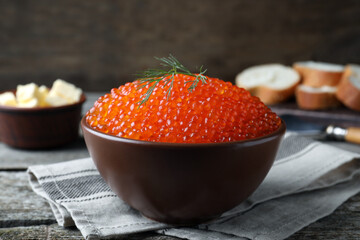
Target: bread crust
(317,78)
(316,100)
(271,96)
(347,93)
(278,82)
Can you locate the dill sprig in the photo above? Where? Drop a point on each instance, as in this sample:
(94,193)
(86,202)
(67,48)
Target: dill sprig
(171,67)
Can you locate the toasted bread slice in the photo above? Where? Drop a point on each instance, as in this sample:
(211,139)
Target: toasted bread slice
(272,83)
(319,74)
(348,91)
(312,98)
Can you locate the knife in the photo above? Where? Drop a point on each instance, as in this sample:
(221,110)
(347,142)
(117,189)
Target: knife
(330,132)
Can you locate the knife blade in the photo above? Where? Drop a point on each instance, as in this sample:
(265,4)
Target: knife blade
(319,131)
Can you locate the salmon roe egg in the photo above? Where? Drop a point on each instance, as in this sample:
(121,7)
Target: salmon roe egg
(215,111)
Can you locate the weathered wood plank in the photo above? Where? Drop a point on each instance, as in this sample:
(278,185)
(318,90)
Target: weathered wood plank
(20,159)
(100,44)
(25,215)
(48,232)
(19,205)
(341,115)
(344,223)
(54,232)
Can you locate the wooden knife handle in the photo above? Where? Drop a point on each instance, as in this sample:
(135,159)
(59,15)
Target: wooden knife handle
(353,135)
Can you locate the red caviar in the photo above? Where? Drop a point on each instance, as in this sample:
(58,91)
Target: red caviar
(213,112)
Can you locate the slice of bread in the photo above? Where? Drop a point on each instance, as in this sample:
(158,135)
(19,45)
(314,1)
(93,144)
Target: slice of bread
(272,83)
(319,74)
(316,98)
(348,91)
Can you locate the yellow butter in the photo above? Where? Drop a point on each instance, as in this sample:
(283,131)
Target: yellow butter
(43,91)
(7,99)
(66,91)
(26,93)
(31,95)
(34,102)
(53,99)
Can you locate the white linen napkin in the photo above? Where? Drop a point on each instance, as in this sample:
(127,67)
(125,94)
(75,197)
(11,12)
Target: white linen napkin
(308,181)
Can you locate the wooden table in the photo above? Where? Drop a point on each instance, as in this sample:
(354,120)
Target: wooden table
(25,215)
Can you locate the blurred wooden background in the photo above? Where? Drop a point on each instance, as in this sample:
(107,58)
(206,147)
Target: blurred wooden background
(99,45)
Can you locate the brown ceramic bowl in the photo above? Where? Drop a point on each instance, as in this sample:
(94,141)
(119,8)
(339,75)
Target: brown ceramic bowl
(40,127)
(182,183)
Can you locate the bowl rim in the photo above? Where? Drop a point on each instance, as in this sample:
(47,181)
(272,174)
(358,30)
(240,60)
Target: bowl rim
(40,109)
(278,132)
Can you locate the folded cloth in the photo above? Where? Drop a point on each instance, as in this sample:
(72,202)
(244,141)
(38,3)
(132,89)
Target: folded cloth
(308,181)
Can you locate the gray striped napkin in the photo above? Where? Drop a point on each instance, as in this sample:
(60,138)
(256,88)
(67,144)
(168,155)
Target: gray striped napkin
(308,181)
